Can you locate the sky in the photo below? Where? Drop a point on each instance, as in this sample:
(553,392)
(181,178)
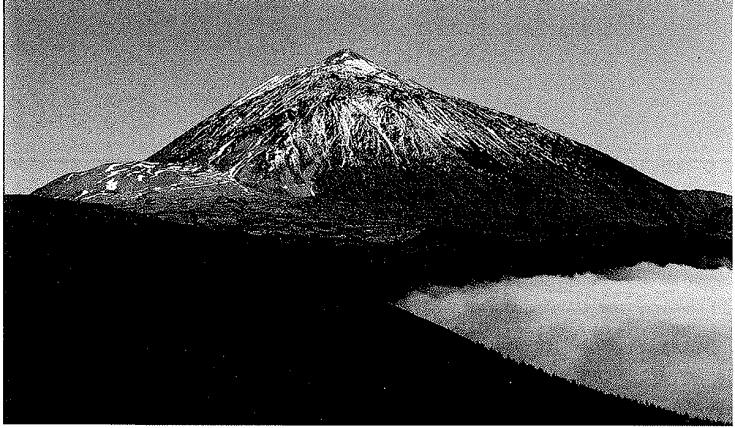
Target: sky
(647,82)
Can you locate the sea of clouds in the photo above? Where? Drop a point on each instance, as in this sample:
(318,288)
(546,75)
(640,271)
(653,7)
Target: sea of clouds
(657,334)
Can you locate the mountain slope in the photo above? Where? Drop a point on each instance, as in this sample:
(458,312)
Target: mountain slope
(350,132)
(348,127)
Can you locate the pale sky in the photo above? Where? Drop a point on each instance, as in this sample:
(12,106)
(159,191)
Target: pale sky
(648,82)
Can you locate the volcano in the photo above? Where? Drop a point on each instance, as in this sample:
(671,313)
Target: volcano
(246,273)
(352,151)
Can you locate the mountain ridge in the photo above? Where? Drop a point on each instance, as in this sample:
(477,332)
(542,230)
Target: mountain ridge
(347,131)
(319,197)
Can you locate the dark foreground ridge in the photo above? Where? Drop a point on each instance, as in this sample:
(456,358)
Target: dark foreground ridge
(244,272)
(114,317)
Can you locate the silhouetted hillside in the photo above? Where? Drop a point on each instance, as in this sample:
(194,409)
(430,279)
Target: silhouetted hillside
(714,208)
(114,317)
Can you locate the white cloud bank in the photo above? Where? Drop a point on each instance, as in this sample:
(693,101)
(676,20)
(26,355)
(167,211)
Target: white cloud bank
(656,334)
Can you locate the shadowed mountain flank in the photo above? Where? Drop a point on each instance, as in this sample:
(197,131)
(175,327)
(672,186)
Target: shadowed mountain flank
(244,273)
(351,151)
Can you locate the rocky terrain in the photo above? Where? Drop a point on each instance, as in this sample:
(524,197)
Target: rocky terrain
(350,150)
(246,272)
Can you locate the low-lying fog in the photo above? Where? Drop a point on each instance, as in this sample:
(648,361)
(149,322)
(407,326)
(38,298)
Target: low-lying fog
(657,334)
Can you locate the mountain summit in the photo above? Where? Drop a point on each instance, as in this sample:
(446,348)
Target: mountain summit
(348,125)
(345,56)
(352,138)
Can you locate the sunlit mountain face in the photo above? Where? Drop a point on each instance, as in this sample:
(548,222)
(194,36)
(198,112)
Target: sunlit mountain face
(350,132)
(347,182)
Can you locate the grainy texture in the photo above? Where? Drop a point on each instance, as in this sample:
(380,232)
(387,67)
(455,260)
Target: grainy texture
(352,133)
(318,198)
(656,334)
(646,81)
(114,317)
